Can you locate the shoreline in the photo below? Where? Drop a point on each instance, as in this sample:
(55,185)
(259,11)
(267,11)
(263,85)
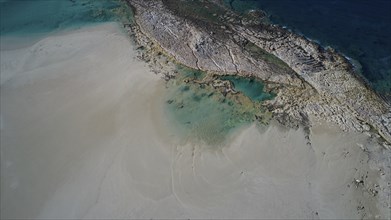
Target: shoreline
(323,74)
(365,61)
(151,47)
(84,135)
(66,111)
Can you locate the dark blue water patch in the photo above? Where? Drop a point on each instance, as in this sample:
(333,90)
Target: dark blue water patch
(25,17)
(360,29)
(250,87)
(241,6)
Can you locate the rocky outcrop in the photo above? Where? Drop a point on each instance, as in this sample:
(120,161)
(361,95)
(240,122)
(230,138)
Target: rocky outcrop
(197,48)
(329,73)
(317,82)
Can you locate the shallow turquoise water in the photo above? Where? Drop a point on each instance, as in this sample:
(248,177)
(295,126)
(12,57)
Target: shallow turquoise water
(252,88)
(42,16)
(190,73)
(198,112)
(202,113)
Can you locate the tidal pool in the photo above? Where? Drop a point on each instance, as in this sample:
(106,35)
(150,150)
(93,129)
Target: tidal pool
(250,87)
(202,113)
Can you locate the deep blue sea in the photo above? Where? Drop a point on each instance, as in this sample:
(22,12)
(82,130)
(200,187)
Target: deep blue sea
(360,29)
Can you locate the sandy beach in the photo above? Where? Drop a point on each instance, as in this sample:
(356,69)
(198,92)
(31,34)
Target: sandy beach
(84,135)
(69,104)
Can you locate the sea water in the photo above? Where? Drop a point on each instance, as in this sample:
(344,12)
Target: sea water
(360,29)
(34,19)
(201,113)
(251,87)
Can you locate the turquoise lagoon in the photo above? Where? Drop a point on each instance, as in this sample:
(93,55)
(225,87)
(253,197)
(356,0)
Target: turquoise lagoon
(202,113)
(250,87)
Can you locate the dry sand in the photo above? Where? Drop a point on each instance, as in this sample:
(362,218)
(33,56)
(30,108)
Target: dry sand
(84,135)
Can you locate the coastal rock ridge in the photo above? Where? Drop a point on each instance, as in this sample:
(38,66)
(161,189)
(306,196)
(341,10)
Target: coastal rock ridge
(312,81)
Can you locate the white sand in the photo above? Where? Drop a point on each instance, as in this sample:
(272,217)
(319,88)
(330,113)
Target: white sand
(83,135)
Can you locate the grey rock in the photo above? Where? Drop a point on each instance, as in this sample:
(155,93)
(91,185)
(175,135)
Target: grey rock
(316,81)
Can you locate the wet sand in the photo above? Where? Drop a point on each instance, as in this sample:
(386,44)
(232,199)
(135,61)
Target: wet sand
(84,135)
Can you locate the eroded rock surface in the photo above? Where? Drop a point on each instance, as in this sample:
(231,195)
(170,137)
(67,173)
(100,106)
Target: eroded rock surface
(314,82)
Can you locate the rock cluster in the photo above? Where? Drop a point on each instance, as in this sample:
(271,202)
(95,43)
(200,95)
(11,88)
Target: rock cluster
(200,49)
(314,82)
(349,101)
